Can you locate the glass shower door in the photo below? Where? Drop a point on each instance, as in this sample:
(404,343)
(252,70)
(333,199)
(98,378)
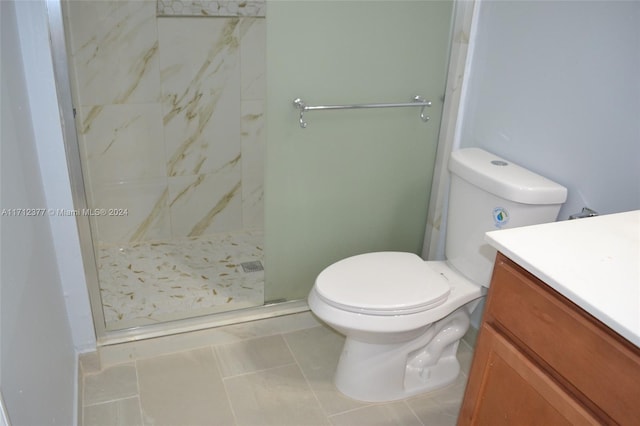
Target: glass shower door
(169,98)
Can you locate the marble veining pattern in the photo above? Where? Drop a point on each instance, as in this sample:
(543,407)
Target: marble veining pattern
(114,42)
(149,282)
(147,217)
(252,138)
(211,8)
(170,117)
(200,88)
(124,142)
(183,151)
(206,204)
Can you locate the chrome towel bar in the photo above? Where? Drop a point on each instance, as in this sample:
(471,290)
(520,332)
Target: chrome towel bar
(417,101)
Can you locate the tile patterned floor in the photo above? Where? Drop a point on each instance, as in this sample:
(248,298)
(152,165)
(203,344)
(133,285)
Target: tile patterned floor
(150,282)
(282,379)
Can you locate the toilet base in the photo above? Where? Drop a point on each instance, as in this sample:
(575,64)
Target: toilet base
(375,372)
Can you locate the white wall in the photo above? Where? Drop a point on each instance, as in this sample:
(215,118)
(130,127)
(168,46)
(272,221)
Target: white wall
(555,87)
(37,345)
(38,69)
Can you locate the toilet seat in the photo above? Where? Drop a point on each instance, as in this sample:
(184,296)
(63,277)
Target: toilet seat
(382,283)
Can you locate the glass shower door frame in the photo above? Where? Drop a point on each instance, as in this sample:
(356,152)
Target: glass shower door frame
(74,164)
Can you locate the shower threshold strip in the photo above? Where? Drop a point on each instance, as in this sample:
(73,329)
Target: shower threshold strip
(202,323)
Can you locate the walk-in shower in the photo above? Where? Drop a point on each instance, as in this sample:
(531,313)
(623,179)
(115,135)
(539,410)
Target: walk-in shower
(170,99)
(169,106)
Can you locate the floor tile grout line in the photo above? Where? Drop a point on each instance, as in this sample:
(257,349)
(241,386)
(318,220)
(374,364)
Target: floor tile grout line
(110,401)
(224,385)
(109,366)
(406,402)
(379,404)
(233,411)
(287,338)
(244,341)
(366,404)
(306,379)
(382,403)
(262,370)
(135,364)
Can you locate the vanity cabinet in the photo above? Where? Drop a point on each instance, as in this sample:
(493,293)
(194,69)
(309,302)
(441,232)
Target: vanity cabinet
(542,360)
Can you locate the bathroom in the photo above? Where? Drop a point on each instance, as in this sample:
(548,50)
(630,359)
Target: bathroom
(559,98)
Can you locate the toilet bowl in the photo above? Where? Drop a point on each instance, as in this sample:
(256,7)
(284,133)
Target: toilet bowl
(403,317)
(410,344)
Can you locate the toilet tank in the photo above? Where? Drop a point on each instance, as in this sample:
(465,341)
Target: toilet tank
(489,193)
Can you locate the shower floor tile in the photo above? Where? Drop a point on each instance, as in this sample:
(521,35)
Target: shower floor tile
(150,282)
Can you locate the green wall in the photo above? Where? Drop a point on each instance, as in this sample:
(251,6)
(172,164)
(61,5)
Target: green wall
(353,181)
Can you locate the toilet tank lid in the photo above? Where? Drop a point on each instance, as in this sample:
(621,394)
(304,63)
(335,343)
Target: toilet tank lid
(504,178)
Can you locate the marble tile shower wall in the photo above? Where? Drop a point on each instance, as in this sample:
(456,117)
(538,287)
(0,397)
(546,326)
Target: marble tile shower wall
(170,116)
(211,8)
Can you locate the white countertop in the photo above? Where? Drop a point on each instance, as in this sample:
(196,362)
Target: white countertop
(594,262)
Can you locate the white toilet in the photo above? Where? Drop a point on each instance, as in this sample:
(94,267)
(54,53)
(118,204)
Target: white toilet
(403,317)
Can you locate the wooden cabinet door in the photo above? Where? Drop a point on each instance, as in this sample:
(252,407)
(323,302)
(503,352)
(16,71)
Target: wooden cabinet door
(581,353)
(506,388)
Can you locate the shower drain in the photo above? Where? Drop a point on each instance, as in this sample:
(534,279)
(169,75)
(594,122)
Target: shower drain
(254,266)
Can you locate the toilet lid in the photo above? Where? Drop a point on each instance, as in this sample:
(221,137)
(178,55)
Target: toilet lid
(384,283)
